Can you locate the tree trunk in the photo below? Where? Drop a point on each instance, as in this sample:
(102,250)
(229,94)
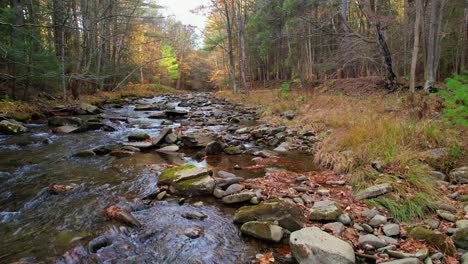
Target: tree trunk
(390,83)
(431,39)
(232,69)
(414,59)
(242,9)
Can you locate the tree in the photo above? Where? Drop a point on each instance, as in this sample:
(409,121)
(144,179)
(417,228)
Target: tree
(414,60)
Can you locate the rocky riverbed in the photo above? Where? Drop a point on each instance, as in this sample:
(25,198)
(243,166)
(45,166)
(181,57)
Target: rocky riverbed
(194,179)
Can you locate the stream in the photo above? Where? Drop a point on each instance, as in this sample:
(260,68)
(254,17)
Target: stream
(37,227)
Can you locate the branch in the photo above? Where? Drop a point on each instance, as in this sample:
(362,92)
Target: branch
(134,70)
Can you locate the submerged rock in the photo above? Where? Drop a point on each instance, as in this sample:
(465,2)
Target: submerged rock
(289,216)
(263,230)
(12,127)
(314,246)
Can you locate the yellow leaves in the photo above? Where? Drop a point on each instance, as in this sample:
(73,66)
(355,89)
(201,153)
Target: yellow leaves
(266,258)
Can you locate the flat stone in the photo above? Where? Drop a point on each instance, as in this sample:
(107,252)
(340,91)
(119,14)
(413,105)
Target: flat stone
(391,229)
(65,129)
(139,145)
(377,220)
(313,246)
(162,134)
(325,211)
(388,239)
(191,173)
(374,191)
(224,182)
(225,174)
(263,230)
(238,197)
(172,148)
(371,240)
(234,188)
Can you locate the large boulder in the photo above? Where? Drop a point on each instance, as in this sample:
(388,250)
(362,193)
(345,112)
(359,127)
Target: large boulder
(326,211)
(263,230)
(11,127)
(459,175)
(188,180)
(198,138)
(434,239)
(314,246)
(289,216)
(373,191)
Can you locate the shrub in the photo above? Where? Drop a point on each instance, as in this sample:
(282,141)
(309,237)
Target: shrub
(456,99)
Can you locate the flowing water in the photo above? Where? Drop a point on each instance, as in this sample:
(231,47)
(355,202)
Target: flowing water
(38,227)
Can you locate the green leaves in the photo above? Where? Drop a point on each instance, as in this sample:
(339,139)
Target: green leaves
(456,99)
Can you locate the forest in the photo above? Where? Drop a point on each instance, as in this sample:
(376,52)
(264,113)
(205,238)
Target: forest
(81,47)
(279,131)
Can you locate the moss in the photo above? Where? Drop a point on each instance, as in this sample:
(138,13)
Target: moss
(258,229)
(182,185)
(22,118)
(437,240)
(232,150)
(461,238)
(168,175)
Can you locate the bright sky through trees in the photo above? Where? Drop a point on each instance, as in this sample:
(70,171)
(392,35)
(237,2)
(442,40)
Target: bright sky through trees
(182,10)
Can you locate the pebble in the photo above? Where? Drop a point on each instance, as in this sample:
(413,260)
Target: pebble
(370,213)
(161,195)
(391,229)
(446,215)
(358,227)
(337,227)
(307,199)
(198,204)
(323,192)
(368,228)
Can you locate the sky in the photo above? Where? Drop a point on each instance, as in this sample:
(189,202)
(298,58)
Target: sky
(181,9)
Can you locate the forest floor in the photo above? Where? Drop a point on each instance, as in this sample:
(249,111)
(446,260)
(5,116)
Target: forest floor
(362,127)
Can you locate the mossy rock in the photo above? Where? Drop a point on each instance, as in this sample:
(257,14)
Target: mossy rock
(461,238)
(264,230)
(22,118)
(437,240)
(168,175)
(11,127)
(232,150)
(325,211)
(289,216)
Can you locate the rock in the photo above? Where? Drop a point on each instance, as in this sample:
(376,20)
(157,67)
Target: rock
(171,138)
(337,227)
(11,127)
(325,211)
(225,174)
(369,213)
(368,228)
(461,238)
(138,137)
(84,154)
(446,215)
(374,191)
(391,229)
(377,220)
(399,254)
(65,129)
(175,113)
(434,239)
(224,182)
(171,148)
(307,199)
(358,227)
(86,109)
(437,175)
(214,148)
(287,215)
(459,175)
(290,115)
(323,192)
(403,261)
(146,107)
(234,188)
(462,224)
(283,147)
(161,195)
(139,145)
(199,138)
(263,230)
(233,150)
(188,180)
(102,150)
(298,200)
(313,246)
(238,197)
(388,239)
(344,219)
(264,153)
(198,204)
(371,240)
(160,115)
(121,153)
(464,258)
(254,200)
(377,165)
(158,139)
(435,157)
(119,215)
(58,121)
(194,232)
(55,189)
(194,215)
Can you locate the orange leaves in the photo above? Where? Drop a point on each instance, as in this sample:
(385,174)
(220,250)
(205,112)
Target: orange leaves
(266,258)
(112,212)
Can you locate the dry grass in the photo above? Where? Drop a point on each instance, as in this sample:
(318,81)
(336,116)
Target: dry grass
(357,130)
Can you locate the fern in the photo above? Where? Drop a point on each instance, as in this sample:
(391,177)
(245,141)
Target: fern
(456,99)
